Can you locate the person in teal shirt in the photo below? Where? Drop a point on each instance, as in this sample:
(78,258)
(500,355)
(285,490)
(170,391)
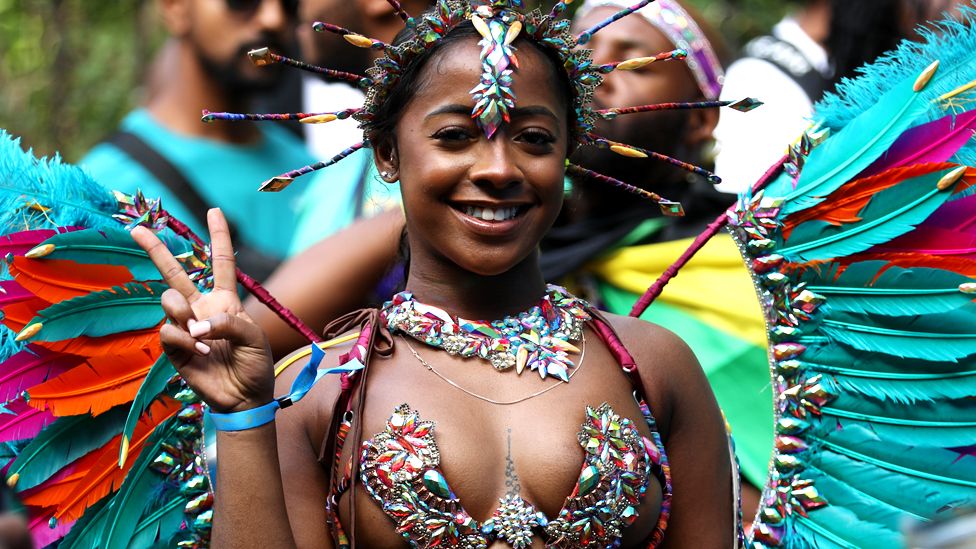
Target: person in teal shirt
(204,65)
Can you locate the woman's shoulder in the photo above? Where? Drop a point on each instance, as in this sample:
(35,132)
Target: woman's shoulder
(315,409)
(668,368)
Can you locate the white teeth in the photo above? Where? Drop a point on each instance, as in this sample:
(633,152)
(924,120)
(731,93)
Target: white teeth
(488,214)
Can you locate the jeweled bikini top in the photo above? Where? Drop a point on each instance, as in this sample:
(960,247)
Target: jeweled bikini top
(400,470)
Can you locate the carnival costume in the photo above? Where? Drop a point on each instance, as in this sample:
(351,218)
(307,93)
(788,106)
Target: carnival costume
(860,243)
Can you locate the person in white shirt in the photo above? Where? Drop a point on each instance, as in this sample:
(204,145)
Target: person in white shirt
(807,53)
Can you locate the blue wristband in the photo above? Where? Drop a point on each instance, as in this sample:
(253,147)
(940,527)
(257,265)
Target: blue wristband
(246,419)
(309,376)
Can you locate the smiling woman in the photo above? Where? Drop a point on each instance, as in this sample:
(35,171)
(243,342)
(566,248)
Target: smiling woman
(555,425)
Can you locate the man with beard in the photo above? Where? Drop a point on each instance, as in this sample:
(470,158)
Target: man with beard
(164,150)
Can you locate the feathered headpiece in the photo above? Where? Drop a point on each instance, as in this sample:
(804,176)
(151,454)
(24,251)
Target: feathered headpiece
(499,23)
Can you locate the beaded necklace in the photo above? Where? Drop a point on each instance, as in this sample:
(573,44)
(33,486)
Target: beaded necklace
(538,339)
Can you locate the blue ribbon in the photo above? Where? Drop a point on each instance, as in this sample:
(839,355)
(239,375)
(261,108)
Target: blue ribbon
(307,378)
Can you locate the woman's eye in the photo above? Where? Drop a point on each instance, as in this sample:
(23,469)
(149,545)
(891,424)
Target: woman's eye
(452,134)
(536,137)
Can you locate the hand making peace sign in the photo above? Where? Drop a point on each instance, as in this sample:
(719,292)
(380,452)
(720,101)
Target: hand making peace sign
(220,352)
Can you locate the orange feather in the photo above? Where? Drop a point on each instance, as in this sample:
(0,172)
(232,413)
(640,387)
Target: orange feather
(60,279)
(115,344)
(105,475)
(844,205)
(17,315)
(51,493)
(95,386)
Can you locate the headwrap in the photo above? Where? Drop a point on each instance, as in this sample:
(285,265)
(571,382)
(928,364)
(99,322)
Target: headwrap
(681,30)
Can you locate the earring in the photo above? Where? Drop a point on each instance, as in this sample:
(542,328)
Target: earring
(385,174)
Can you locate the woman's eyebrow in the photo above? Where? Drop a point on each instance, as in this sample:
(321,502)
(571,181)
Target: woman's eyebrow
(533,110)
(455,108)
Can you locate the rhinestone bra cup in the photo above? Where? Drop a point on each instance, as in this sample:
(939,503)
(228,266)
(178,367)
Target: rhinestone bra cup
(400,469)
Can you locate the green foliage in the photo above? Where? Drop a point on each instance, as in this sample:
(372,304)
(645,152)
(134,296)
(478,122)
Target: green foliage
(71,69)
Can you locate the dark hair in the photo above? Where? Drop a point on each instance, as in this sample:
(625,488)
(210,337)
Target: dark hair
(861,31)
(387,114)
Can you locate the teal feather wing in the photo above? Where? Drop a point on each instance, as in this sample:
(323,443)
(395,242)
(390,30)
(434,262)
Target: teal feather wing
(867,279)
(104,297)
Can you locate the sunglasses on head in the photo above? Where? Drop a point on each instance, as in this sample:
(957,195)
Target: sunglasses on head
(250,7)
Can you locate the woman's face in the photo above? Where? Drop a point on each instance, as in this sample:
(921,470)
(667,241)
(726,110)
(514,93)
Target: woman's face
(480,204)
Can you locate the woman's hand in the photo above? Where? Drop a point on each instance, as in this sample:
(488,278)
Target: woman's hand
(220,352)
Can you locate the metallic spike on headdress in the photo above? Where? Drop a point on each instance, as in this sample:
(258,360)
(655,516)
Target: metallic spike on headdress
(303,117)
(585,36)
(278,183)
(742,105)
(637,152)
(640,62)
(353,38)
(668,207)
(264,56)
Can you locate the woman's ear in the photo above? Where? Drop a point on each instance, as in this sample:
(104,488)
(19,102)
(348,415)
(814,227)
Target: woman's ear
(386,159)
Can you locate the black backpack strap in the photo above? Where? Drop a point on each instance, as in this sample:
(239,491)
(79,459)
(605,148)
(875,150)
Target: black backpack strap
(250,260)
(167,174)
(790,60)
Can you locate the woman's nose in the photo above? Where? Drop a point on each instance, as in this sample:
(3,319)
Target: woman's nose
(495,163)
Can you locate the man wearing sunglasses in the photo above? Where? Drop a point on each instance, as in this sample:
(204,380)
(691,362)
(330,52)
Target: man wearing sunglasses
(165,150)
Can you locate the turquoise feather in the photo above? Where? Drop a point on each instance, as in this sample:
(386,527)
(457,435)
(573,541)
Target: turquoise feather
(906,339)
(154,384)
(73,197)
(854,362)
(890,214)
(849,151)
(62,442)
(111,246)
(134,306)
(906,390)
(834,526)
(918,497)
(893,292)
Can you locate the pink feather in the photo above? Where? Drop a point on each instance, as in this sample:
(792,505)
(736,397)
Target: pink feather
(20,243)
(40,529)
(11,292)
(24,421)
(30,367)
(935,141)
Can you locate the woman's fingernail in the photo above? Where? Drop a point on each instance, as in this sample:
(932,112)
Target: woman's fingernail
(200,328)
(202,347)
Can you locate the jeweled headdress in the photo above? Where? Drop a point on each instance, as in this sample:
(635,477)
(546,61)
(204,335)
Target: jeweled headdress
(499,23)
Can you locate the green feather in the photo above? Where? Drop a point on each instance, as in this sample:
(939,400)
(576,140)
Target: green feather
(158,526)
(62,442)
(154,384)
(110,246)
(948,433)
(134,306)
(893,292)
(828,356)
(86,533)
(846,153)
(888,514)
(890,214)
(130,503)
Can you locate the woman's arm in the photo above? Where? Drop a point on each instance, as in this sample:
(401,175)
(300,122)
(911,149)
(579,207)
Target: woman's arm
(248,460)
(694,435)
(330,278)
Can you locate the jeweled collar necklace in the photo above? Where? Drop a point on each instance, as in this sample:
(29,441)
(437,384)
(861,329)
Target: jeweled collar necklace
(539,339)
